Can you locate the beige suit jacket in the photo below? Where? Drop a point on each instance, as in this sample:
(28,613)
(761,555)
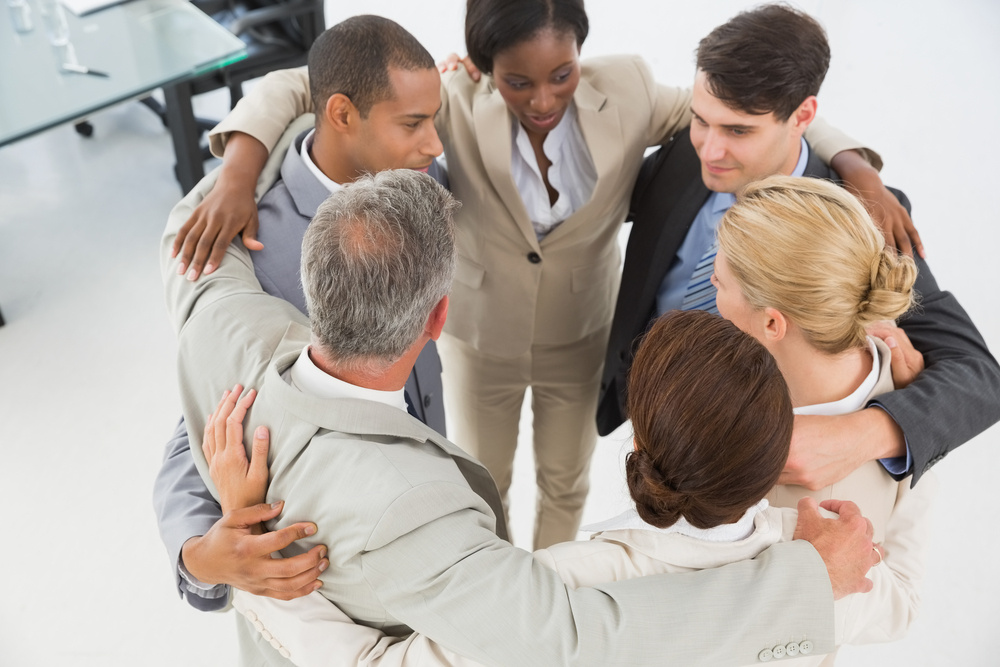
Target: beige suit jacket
(330,639)
(412,543)
(504,299)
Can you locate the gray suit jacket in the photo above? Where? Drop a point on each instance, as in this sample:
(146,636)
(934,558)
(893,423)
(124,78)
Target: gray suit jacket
(183,505)
(410,519)
(954,399)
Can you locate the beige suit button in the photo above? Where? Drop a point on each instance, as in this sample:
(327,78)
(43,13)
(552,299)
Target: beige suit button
(791,649)
(275,643)
(765,655)
(284,652)
(259,626)
(805,647)
(778,651)
(266,635)
(251,616)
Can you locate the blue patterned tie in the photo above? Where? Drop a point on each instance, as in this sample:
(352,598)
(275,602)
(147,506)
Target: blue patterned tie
(700,292)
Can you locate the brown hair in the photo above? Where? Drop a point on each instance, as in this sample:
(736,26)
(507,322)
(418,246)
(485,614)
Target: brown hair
(766,60)
(712,421)
(809,249)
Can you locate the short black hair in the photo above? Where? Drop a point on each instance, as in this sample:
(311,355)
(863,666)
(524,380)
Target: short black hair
(766,60)
(353,58)
(491,26)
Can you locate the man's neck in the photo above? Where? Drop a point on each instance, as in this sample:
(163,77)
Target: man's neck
(391,378)
(329,158)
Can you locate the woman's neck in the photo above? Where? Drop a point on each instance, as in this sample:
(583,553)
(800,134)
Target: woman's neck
(814,376)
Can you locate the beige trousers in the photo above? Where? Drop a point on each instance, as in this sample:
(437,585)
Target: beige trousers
(483,399)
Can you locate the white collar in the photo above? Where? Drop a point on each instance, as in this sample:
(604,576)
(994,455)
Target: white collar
(325,180)
(727,532)
(305,376)
(856,400)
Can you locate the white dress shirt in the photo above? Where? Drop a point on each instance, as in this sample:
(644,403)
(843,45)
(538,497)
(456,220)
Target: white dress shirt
(572,173)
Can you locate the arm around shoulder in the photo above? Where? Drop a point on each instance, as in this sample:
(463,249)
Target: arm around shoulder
(267,110)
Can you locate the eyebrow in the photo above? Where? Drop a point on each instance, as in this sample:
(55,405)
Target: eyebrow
(568,63)
(727,127)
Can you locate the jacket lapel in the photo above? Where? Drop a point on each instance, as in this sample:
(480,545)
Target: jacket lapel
(493,123)
(600,125)
(306,191)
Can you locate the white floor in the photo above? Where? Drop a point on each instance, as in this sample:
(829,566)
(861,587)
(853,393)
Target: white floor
(87,388)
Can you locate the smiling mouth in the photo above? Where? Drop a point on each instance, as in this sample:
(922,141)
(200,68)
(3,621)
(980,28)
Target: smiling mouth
(547,120)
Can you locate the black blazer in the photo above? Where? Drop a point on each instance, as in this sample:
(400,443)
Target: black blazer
(953,400)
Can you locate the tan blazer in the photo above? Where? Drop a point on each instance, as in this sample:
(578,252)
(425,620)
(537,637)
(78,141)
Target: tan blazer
(331,639)
(409,519)
(504,299)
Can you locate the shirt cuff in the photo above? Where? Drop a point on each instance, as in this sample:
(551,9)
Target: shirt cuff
(191,585)
(895,465)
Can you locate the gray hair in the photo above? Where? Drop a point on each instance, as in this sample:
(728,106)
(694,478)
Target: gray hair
(377,258)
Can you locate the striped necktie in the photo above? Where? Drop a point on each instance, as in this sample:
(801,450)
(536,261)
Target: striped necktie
(700,292)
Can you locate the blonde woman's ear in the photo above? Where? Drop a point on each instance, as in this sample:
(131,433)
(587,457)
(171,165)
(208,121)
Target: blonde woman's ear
(775,324)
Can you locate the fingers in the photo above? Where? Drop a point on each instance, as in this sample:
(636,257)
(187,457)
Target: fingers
(917,241)
(845,508)
(202,247)
(245,517)
(279,539)
(222,412)
(234,421)
(902,241)
(258,457)
(186,240)
(449,63)
(250,234)
(181,235)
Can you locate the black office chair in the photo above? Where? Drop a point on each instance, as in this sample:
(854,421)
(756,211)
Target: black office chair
(277,33)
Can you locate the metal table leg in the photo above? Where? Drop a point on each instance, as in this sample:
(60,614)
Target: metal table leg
(184,130)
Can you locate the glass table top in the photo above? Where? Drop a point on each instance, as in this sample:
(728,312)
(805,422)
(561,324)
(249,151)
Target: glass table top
(141,45)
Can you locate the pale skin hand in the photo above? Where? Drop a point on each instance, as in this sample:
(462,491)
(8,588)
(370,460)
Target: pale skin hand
(452,61)
(240,483)
(234,551)
(844,543)
(864,181)
(907,362)
(227,210)
(827,449)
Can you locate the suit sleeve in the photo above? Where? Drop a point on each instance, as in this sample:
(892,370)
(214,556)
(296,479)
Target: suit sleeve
(184,509)
(957,396)
(436,576)
(827,141)
(267,110)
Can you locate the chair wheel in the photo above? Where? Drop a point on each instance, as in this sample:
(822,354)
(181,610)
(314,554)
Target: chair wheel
(84,129)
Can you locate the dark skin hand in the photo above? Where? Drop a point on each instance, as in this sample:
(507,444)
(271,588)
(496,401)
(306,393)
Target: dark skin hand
(863,180)
(227,210)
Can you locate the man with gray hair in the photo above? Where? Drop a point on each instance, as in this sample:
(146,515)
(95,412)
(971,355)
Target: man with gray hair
(415,525)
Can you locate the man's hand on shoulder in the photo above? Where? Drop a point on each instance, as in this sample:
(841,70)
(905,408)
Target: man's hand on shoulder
(844,543)
(230,553)
(826,449)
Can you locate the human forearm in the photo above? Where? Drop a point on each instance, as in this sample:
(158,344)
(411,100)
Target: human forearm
(957,396)
(184,509)
(827,141)
(476,605)
(267,110)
